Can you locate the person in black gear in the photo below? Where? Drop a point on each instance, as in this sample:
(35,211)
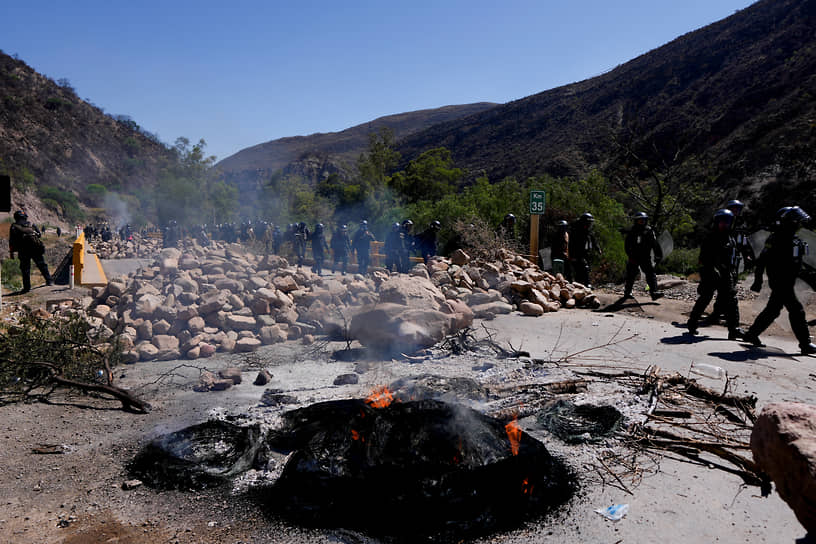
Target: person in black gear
(319,246)
(744,252)
(559,243)
(426,241)
(782,259)
(717,270)
(362,245)
(300,236)
(393,247)
(408,245)
(24,239)
(582,247)
(639,244)
(340,245)
(277,240)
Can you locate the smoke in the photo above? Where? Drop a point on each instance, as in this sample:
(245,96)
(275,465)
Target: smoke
(117,210)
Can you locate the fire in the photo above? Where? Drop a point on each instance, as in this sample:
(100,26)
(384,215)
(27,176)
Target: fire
(526,487)
(514,434)
(380,397)
(356,436)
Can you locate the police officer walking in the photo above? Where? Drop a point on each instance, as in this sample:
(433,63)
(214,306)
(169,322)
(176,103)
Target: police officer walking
(319,246)
(408,243)
(393,247)
(582,246)
(299,237)
(426,241)
(24,238)
(745,253)
(362,245)
(340,245)
(782,259)
(639,244)
(717,274)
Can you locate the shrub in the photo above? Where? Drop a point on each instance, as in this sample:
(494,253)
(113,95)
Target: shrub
(681,262)
(12,277)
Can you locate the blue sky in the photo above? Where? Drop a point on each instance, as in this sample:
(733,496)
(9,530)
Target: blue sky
(245,72)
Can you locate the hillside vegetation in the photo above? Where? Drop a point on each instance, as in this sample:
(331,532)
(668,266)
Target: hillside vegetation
(731,106)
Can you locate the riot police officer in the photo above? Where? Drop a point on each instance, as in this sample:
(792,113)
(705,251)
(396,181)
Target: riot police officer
(559,244)
(745,253)
(319,246)
(362,245)
(717,274)
(340,245)
(24,238)
(582,247)
(639,244)
(408,244)
(299,238)
(393,247)
(782,259)
(426,240)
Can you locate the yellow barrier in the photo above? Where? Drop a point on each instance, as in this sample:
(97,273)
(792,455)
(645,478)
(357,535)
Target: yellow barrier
(88,274)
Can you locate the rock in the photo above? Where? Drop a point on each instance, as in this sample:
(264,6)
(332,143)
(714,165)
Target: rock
(130,356)
(531,308)
(161,327)
(245,345)
(193,353)
(147,351)
(307,339)
(221,385)
(101,311)
(411,291)
(393,328)
(207,350)
(196,325)
(783,442)
(165,342)
(459,257)
(461,313)
(272,334)
(131,484)
(232,373)
(146,304)
(240,322)
(347,379)
(492,309)
(263,377)
(285,283)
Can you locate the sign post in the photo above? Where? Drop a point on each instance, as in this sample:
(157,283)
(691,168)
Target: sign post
(537,200)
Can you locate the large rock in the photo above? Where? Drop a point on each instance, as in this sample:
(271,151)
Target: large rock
(784,446)
(414,292)
(395,328)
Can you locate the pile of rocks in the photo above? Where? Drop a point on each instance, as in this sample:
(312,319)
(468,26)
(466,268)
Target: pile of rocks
(225,298)
(138,247)
(516,280)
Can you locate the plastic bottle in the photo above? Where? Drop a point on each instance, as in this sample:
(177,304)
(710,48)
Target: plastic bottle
(709,371)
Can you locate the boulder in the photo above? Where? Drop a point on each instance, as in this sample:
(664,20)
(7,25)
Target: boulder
(459,257)
(240,322)
(147,351)
(460,312)
(231,373)
(531,308)
(272,334)
(263,377)
(247,344)
(783,442)
(414,292)
(393,328)
(492,309)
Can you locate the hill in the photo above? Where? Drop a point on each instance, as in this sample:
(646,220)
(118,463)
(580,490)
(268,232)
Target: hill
(61,149)
(732,105)
(316,155)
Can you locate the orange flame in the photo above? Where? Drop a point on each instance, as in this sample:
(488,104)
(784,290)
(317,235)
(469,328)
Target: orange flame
(355,435)
(380,397)
(526,487)
(514,434)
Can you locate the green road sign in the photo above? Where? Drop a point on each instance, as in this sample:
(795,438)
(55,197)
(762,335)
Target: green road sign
(537,199)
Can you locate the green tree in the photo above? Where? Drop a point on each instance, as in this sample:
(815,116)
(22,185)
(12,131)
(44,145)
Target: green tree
(430,176)
(376,164)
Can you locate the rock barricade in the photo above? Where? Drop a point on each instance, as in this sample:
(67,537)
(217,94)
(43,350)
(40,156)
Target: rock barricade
(193,302)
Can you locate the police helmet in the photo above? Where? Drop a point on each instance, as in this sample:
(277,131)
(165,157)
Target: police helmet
(436,225)
(735,206)
(344,227)
(724,215)
(796,215)
(640,215)
(302,224)
(509,217)
(319,227)
(562,223)
(20,215)
(395,226)
(363,223)
(587,217)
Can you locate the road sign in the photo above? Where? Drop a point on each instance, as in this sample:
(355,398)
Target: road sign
(537,199)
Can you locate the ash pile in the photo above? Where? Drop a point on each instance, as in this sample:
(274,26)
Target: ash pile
(191,303)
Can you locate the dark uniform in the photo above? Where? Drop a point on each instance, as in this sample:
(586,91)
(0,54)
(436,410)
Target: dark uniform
(582,246)
(718,260)
(407,246)
(639,244)
(393,247)
(559,244)
(24,238)
(745,253)
(341,245)
(319,246)
(782,258)
(362,245)
(299,237)
(426,241)
(277,239)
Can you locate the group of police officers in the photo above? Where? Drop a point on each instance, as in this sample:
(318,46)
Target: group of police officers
(721,254)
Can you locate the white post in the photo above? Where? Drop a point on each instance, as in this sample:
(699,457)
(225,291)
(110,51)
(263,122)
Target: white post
(71,273)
